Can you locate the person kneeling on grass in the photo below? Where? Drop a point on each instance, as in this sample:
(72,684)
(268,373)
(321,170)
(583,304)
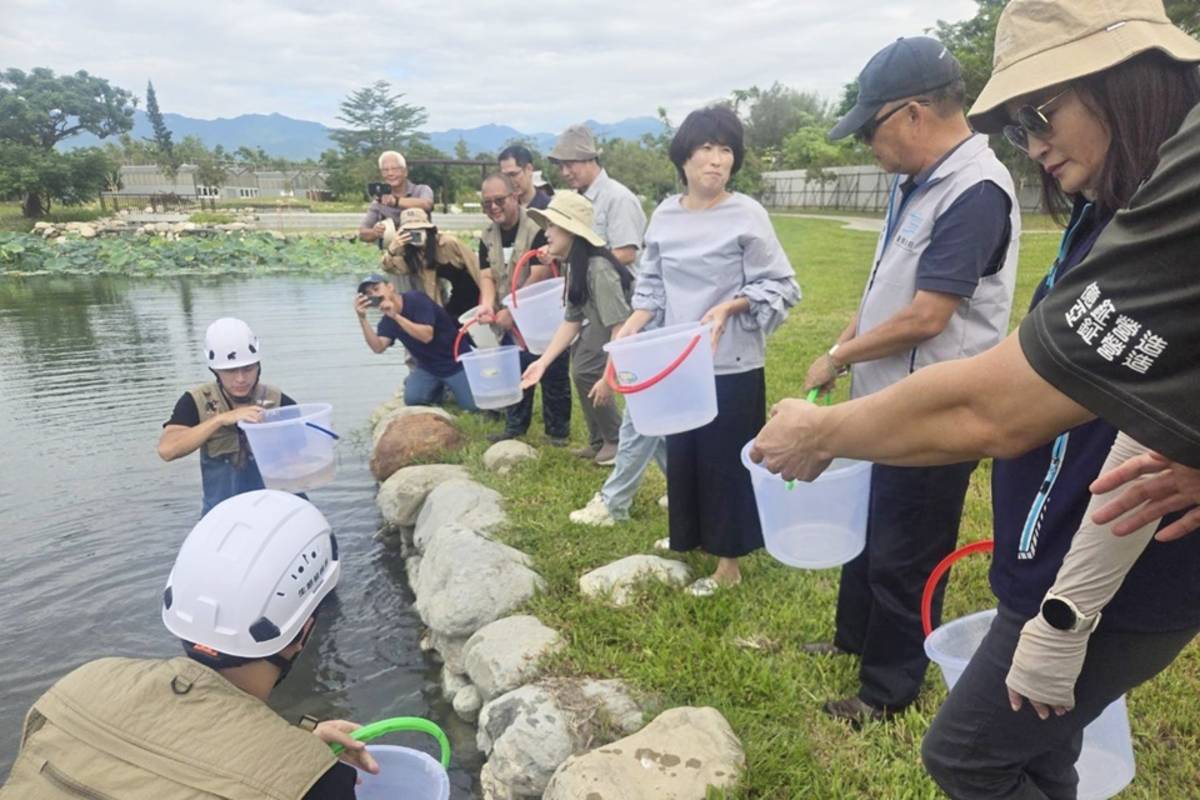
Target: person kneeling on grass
(598,292)
(427,333)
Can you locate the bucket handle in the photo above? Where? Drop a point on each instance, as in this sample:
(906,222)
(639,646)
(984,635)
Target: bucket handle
(610,373)
(458,339)
(935,577)
(374,730)
(520,265)
(813,394)
(325,431)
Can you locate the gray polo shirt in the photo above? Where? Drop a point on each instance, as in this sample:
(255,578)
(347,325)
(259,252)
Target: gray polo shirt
(616,212)
(378,212)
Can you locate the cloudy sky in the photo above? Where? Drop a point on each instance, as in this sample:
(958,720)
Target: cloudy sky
(469,62)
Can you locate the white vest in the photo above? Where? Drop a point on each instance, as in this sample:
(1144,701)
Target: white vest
(980,321)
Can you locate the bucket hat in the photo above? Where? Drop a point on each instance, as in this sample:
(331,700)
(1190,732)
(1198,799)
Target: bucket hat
(1043,43)
(571,212)
(907,67)
(575,144)
(414,218)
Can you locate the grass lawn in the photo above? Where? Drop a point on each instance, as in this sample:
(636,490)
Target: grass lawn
(11,219)
(739,651)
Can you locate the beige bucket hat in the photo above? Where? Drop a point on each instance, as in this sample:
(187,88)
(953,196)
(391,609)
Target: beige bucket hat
(570,211)
(413,218)
(576,144)
(1042,43)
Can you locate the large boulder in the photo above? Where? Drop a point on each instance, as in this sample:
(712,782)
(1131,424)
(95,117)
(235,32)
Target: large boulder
(395,408)
(678,756)
(401,495)
(408,440)
(528,732)
(463,502)
(504,455)
(467,581)
(618,580)
(504,654)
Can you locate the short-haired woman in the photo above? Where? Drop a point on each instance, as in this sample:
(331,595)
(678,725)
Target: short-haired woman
(1090,96)
(712,255)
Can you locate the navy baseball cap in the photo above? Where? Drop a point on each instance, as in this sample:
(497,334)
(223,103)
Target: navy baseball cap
(905,68)
(369,281)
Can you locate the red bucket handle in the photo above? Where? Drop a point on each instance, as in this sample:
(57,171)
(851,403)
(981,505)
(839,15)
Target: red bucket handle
(935,577)
(610,373)
(520,265)
(461,333)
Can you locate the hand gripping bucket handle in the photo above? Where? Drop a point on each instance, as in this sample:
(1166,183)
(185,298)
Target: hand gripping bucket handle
(373,731)
(520,265)
(936,576)
(610,374)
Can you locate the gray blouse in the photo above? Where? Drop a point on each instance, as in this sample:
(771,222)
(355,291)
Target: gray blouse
(694,260)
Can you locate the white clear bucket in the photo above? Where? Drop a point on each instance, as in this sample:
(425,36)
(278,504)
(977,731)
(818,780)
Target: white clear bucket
(537,310)
(404,774)
(494,375)
(667,378)
(1106,764)
(813,525)
(294,446)
(482,335)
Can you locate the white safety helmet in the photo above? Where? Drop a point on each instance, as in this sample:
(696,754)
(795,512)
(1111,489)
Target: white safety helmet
(229,343)
(250,574)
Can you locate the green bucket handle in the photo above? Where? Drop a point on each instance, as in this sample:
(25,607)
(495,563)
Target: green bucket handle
(813,395)
(396,724)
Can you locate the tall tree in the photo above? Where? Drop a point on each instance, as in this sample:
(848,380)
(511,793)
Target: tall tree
(167,160)
(377,120)
(39,109)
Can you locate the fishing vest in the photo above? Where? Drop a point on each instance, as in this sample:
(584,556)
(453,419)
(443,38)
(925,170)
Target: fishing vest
(527,231)
(149,729)
(980,321)
(228,443)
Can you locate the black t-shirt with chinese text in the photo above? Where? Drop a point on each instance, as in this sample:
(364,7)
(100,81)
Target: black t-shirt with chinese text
(1120,335)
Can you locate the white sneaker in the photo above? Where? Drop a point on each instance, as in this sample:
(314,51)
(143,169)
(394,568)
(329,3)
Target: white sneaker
(663,543)
(662,502)
(595,513)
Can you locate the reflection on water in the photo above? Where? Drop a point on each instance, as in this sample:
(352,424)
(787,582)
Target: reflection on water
(90,368)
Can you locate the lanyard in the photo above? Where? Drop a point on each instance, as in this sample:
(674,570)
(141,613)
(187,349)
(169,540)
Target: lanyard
(1064,248)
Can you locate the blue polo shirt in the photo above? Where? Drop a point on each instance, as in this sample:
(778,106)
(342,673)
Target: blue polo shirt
(436,356)
(1039,499)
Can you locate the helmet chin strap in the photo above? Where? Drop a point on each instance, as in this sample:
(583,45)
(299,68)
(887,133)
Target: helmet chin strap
(285,664)
(233,401)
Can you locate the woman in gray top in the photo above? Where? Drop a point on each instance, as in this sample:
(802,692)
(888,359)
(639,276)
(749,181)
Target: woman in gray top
(712,255)
(598,287)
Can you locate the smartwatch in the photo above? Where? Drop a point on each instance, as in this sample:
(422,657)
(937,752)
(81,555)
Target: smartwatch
(1061,614)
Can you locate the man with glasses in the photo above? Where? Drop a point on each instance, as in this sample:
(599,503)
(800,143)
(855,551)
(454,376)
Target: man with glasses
(510,235)
(517,163)
(940,288)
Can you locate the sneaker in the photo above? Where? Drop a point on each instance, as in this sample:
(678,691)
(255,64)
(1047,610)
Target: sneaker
(663,543)
(857,712)
(584,452)
(662,502)
(595,513)
(607,455)
(502,436)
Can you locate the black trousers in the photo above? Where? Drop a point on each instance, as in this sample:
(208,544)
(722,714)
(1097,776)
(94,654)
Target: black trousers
(912,525)
(556,400)
(978,747)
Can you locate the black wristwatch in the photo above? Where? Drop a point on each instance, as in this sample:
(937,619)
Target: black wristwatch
(1061,614)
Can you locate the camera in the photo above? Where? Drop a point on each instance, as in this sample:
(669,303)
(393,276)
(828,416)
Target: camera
(416,238)
(373,300)
(378,189)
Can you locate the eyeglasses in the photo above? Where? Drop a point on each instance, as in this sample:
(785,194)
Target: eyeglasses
(497,202)
(1031,119)
(867,132)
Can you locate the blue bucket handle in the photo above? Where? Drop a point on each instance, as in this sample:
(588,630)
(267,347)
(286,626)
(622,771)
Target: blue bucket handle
(325,431)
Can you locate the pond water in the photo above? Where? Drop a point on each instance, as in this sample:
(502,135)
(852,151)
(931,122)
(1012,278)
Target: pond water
(91,518)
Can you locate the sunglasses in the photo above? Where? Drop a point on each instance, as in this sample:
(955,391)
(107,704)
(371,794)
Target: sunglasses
(496,202)
(1030,119)
(867,132)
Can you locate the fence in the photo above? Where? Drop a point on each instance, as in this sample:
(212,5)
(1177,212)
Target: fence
(863,188)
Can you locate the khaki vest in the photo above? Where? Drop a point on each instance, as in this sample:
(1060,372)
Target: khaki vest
(211,401)
(134,729)
(450,252)
(527,231)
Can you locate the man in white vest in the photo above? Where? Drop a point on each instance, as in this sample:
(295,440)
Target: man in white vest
(242,598)
(940,288)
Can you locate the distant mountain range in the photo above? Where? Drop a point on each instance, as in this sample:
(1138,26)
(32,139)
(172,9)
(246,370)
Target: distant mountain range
(299,139)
